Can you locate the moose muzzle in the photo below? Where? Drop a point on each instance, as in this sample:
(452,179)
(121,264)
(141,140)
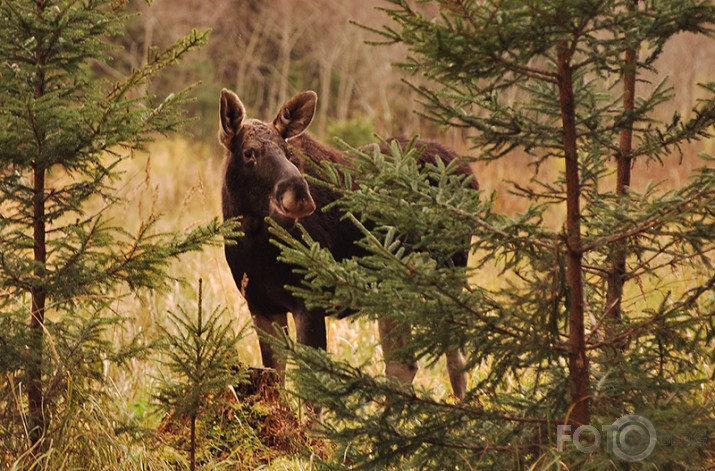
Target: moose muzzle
(292,198)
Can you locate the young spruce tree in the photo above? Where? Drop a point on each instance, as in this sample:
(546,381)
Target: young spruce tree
(63,131)
(610,314)
(200,357)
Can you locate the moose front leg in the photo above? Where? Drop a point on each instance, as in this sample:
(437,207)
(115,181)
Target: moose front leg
(264,324)
(310,329)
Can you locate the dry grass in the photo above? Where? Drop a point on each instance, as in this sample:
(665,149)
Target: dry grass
(181,180)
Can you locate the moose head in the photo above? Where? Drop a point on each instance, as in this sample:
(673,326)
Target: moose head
(263,175)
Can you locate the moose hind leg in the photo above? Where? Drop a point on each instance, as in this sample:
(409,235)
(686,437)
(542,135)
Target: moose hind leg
(457,375)
(393,338)
(264,324)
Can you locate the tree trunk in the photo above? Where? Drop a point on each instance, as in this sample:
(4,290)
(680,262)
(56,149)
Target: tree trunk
(192,443)
(618,252)
(578,361)
(38,293)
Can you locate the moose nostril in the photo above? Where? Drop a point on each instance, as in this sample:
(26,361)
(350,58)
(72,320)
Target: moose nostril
(294,198)
(309,205)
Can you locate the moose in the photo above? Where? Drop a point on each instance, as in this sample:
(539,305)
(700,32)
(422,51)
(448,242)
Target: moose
(265,164)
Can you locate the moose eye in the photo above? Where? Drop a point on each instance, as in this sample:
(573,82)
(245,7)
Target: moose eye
(249,154)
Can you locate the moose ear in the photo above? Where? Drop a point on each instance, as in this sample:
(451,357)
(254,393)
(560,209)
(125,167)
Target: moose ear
(231,115)
(296,114)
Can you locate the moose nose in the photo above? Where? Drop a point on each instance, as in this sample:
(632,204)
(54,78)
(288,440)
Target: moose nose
(294,199)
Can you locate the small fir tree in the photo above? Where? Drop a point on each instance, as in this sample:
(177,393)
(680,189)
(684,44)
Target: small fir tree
(63,132)
(555,341)
(200,356)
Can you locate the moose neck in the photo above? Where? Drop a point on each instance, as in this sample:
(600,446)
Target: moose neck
(253,226)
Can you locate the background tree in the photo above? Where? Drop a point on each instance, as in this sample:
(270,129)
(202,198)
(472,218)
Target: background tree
(270,51)
(607,314)
(354,80)
(63,264)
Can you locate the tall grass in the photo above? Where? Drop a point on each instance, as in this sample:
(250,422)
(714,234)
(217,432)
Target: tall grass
(180,180)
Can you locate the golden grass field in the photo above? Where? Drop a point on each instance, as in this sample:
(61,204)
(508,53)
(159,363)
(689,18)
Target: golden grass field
(180,180)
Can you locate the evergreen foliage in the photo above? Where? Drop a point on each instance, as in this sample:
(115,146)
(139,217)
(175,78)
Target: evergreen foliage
(354,132)
(63,264)
(608,313)
(199,359)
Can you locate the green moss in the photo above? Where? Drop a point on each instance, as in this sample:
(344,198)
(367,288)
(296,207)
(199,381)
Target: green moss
(258,429)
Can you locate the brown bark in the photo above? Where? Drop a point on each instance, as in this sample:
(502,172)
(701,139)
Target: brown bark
(38,293)
(37,319)
(618,252)
(578,361)
(192,444)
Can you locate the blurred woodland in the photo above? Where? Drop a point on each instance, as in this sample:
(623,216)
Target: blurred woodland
(268,51)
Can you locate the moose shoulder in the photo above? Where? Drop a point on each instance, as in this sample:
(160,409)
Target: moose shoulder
(265,178)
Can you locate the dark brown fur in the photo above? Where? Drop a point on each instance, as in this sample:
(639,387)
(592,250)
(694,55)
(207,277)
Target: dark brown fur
(248,191)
